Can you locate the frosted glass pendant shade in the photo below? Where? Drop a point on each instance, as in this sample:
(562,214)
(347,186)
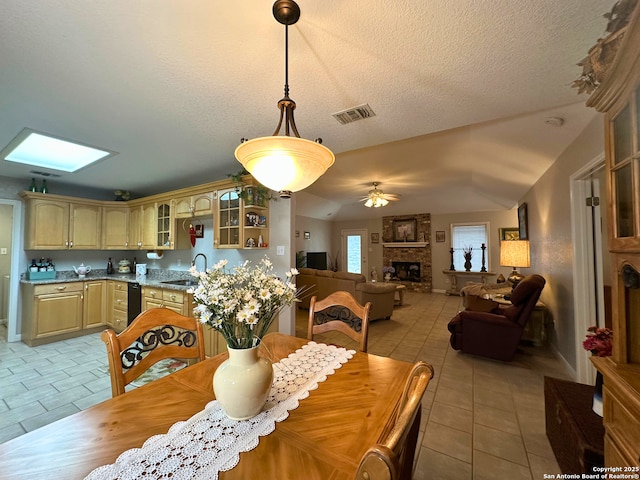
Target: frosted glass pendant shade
(284,163)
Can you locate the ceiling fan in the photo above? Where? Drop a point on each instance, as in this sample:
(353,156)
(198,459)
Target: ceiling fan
(377,198)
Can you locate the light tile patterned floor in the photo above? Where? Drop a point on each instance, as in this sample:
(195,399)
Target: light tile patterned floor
(482,419)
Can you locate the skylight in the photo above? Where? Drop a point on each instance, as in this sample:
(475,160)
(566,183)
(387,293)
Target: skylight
(45,151)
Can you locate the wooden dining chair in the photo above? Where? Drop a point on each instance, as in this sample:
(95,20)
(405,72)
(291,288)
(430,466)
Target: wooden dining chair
(392,457)
(341,312)
(154,335)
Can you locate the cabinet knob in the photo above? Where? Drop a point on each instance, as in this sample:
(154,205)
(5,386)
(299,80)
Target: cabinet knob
(61,288)
(71,244)
(118,301)
(152,294)
(173,298)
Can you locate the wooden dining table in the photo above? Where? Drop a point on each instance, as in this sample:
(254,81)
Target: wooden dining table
(324,438)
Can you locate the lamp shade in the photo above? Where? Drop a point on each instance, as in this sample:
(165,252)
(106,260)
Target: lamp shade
(514,253)
(284,163)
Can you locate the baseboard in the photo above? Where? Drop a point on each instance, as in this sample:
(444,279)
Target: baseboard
(438,290)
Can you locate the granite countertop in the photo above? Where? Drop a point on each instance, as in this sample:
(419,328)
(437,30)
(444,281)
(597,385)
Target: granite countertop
(153,279)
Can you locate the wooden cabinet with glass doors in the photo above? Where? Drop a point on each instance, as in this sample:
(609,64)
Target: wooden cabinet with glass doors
(240,223)
(618,97)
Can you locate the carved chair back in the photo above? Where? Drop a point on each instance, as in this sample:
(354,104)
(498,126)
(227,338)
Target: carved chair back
(156,334)
(341,312)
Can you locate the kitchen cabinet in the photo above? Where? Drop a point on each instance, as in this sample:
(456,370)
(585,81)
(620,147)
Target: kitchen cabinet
(51,312)
(153,227)
(175,300)
(56,311)
(194,205)
(240,223)
(117,296)
(228,220)
(214,342)
(94,304)
(618,97)
(142,226)
(55,222)
(115,227)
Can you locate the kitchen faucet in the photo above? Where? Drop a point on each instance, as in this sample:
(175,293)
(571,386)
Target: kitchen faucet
(193,262)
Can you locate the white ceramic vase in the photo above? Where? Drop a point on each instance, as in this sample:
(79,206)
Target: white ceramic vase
(242,383)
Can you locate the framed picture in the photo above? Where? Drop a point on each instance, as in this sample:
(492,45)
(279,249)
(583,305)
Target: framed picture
(375,238)
(523,225)
(307,235)
(405,230)
(509,233)
(440,236)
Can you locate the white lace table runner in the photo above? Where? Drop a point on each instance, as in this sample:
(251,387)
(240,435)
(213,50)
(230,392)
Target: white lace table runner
(209,441)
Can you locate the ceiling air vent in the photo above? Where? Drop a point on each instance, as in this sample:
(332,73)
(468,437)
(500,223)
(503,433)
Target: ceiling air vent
(354,114)
(44,174)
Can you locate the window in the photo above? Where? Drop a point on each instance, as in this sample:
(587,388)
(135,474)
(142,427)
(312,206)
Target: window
(471,235)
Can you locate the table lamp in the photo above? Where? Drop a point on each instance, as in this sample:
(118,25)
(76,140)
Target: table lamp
(515,253)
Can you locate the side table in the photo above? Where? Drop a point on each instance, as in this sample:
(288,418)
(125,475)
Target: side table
(400,288)
(536,328)
(463,277)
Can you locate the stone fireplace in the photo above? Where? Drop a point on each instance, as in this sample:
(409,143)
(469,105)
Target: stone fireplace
(411,260)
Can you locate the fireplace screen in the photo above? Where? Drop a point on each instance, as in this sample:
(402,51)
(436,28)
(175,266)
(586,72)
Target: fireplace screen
(406,271)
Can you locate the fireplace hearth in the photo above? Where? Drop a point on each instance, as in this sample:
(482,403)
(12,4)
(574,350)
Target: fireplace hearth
(406,271)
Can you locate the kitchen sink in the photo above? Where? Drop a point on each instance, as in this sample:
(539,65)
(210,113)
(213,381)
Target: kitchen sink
(186,282)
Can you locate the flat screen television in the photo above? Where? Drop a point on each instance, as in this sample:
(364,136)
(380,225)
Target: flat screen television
(317,260)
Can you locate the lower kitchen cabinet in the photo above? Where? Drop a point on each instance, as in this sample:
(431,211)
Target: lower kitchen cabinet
(117,296)
(57,311)
(214,342)
(94,304)
(175,300)
(51,311)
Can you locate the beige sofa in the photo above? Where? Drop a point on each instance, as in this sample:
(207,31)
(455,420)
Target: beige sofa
(323,282)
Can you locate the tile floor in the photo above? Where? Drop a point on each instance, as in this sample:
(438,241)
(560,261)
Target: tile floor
(482,419)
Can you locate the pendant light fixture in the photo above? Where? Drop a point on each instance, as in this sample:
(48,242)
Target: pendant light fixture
(285,163)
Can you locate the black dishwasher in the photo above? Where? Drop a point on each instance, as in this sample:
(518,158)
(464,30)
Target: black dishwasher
(134,301)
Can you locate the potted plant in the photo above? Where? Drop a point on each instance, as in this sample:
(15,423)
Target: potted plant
(242,304)
(257,195)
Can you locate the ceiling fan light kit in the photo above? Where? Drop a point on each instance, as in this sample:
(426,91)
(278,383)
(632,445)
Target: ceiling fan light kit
(376,198)
(285,163)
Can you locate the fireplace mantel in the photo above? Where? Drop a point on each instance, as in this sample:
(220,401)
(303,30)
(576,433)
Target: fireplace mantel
(405,244)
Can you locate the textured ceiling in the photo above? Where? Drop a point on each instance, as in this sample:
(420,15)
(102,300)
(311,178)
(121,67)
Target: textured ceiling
(173,85)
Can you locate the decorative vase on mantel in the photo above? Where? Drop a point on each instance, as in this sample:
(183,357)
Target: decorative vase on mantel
(467,262)
(242,383)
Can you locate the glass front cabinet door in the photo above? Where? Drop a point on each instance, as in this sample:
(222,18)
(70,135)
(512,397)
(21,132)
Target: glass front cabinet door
(228,223)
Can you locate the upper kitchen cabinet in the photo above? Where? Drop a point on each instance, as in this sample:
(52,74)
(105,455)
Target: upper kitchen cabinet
(194,205)
(227,222)
(168,235)
(153,227)
(55,222)
(242,220)
(142,226)
(115,227)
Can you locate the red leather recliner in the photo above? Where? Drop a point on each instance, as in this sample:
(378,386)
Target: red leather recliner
(496,334)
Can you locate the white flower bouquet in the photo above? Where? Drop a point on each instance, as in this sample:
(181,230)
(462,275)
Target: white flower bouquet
(243,302)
